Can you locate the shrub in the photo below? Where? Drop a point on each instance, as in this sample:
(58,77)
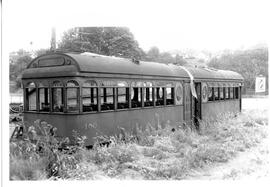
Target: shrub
(36,154)
(119,153)
(152,153)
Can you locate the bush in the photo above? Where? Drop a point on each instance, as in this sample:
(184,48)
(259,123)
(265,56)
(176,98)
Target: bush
(28,169)
(150,153)
(36,154)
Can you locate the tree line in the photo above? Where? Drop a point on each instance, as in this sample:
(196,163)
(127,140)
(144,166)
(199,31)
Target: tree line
(120,42)
(249,63)
(112,41)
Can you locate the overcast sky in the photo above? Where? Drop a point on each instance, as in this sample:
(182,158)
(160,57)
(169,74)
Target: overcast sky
(197,24)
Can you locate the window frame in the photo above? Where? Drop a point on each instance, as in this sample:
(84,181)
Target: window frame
(227,93)
(95,87)
(172,88)
(148,94)
(216,91)
(221,93)
(237,92)
(27,100)
(102,89)
(77,87)
(162,99)
(211,99)
(138,85)
(44,86)
(231,93)
(122,85)
(62,87)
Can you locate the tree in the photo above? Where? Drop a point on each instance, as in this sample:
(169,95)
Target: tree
(41,52)
(110,41)
(153,54)
(18,61)
(166,58)
(180,60)
(249,63)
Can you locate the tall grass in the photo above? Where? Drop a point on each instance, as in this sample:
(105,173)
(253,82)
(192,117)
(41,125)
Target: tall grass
(153,153)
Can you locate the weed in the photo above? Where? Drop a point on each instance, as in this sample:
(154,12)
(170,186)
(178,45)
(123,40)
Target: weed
(153,152)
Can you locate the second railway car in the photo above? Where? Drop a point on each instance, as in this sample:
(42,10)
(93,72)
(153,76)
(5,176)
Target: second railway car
(98,95)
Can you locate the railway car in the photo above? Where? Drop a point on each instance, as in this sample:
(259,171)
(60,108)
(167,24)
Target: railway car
(98,95)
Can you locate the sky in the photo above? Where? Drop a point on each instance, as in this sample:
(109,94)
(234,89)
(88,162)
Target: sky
(168,24)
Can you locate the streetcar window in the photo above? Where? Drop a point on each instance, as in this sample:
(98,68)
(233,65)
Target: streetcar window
(136,97)
(160,96)
(89,96)
(31,101)
(236,92)
(148,95)
(107,98)
(72,96)
(122,93)
(227,93)
(221,93)
(44,98)
(210,93)
(57,97)
(170,96)
(231,93)
(216,93)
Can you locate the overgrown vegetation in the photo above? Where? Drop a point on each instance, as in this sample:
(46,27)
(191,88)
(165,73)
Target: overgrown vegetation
(155,153)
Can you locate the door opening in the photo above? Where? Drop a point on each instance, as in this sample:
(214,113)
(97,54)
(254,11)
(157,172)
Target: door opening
(187,105)
(197,109)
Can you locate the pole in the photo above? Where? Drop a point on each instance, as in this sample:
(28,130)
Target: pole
(53,39)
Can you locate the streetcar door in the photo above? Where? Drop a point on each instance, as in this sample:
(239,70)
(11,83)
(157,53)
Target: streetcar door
(197,106)
(240,97)
(187,104)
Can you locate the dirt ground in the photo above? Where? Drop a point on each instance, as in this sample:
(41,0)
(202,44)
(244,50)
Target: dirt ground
(255,103)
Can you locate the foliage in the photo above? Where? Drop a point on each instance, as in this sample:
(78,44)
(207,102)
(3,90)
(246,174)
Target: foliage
(40,52)
(163,154)
(37,154)
(18,61)
(165,57)
(249,63)
(156,153)
(110,41)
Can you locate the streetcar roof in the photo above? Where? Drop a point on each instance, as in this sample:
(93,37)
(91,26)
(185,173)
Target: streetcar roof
(74,64)
(211,73)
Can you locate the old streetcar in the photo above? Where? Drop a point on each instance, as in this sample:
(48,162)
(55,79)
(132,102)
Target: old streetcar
(92,93)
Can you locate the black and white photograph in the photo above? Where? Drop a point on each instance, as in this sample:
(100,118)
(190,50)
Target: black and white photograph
(129,90)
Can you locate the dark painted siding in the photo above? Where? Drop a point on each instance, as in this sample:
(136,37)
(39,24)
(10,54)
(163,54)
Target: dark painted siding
(107,123)
(210,110)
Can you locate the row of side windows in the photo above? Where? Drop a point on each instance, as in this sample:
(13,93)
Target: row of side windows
(66,98)
(222,93)
(56,96)
(139,96)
